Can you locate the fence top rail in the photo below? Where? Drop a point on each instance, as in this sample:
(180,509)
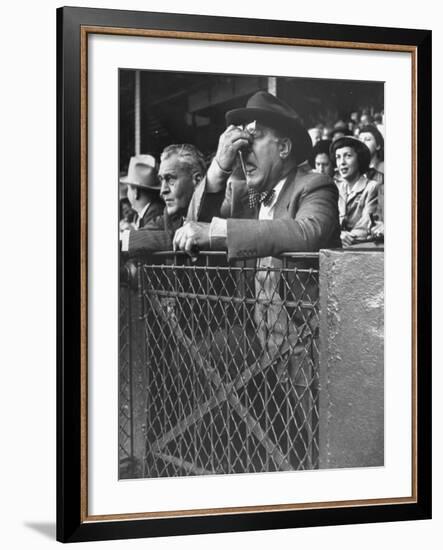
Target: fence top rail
(179,253)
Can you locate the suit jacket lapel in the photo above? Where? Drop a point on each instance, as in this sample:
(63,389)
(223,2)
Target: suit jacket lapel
(285,194)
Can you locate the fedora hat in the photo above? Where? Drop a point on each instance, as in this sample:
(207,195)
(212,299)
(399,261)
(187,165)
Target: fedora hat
(363,153)
(276,114)
(142,173)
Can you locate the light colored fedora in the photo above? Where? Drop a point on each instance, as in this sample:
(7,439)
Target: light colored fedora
(142,173)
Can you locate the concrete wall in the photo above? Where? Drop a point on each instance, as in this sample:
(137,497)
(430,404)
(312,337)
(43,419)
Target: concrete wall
(351,358)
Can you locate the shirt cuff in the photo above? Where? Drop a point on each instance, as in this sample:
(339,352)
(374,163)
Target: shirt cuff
(218,231)
(125,240)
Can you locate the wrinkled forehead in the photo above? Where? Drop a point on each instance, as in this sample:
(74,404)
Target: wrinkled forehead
(172,164)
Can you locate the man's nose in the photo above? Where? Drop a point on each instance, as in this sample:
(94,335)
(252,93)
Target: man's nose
(164,189)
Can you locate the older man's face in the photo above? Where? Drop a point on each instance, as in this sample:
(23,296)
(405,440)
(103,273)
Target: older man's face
(263,161)
(177,184)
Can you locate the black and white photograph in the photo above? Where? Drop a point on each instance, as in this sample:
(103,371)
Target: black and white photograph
(251,273)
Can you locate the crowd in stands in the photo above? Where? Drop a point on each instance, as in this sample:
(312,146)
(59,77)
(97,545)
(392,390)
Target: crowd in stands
(349,152)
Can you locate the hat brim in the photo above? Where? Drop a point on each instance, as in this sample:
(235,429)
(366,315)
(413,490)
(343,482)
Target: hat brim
(126,181)
(290,126)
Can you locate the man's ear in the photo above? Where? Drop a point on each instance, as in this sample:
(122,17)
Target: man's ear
(137,193)
(196,178)
(285,148)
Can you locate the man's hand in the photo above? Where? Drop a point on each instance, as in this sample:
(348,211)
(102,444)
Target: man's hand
(346,239)
(378,230)
(191,237)
(230,142)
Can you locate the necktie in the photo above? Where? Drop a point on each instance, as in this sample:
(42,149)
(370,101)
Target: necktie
(265,198)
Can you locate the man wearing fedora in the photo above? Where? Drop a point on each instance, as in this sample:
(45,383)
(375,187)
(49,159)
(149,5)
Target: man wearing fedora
(143,189)
(277,207)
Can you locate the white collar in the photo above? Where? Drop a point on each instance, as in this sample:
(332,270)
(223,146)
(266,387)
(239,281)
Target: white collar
(277,190)
(143,210)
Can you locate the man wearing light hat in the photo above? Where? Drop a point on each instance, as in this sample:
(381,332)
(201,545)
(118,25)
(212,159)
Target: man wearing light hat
(143,189)
(182,166)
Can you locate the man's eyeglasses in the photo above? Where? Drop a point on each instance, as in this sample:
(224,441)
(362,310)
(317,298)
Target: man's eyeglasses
(253,130)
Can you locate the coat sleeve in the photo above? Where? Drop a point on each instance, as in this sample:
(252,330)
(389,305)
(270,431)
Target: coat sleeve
(154,211)
(312,223)
(370,198)
(151,238)
(203,205)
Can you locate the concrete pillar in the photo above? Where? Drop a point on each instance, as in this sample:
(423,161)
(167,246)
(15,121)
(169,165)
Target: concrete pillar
(351,397)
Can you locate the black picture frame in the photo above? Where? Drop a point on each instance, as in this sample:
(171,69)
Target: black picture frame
(72,520)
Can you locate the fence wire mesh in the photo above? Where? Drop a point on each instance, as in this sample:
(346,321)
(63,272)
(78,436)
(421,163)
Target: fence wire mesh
(230,356)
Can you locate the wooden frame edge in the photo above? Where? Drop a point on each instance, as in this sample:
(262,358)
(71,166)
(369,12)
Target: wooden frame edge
(84,31)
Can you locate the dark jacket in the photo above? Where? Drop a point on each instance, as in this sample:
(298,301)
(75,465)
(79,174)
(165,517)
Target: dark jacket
(156,235)
(154,210)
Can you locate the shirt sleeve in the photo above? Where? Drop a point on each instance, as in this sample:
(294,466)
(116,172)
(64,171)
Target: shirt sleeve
(125,240)
(217,234)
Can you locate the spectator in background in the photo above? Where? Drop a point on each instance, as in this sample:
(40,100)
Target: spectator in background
(374,141)
(126,215)
(326,133)
(320,160)
(378,123)
(143,189)
(315,134)
(365,118)
(357,202)
(339,130)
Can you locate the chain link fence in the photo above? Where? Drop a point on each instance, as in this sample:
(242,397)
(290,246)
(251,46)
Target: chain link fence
(219,366)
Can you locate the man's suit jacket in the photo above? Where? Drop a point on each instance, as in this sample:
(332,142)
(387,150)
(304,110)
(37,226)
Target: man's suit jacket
(154,236)
(305,217)
(154,210)
(305,220)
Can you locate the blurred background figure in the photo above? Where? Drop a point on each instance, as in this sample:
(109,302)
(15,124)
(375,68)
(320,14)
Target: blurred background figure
(320,160)
(126,215)
(143,189)
(379,123)
(315,134)
(339,130)
(365,118)
(374,141)
(326,133)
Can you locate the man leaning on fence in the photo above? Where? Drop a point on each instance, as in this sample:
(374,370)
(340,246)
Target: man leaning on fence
(182,167)
(277,208)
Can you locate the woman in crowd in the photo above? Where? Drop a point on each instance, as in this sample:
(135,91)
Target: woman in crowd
(374,141)
(358,194)
(320,160)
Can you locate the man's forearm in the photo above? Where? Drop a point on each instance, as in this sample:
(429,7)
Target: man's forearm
(216,177)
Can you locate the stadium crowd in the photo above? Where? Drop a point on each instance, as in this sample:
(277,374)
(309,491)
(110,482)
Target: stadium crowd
(272,186)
